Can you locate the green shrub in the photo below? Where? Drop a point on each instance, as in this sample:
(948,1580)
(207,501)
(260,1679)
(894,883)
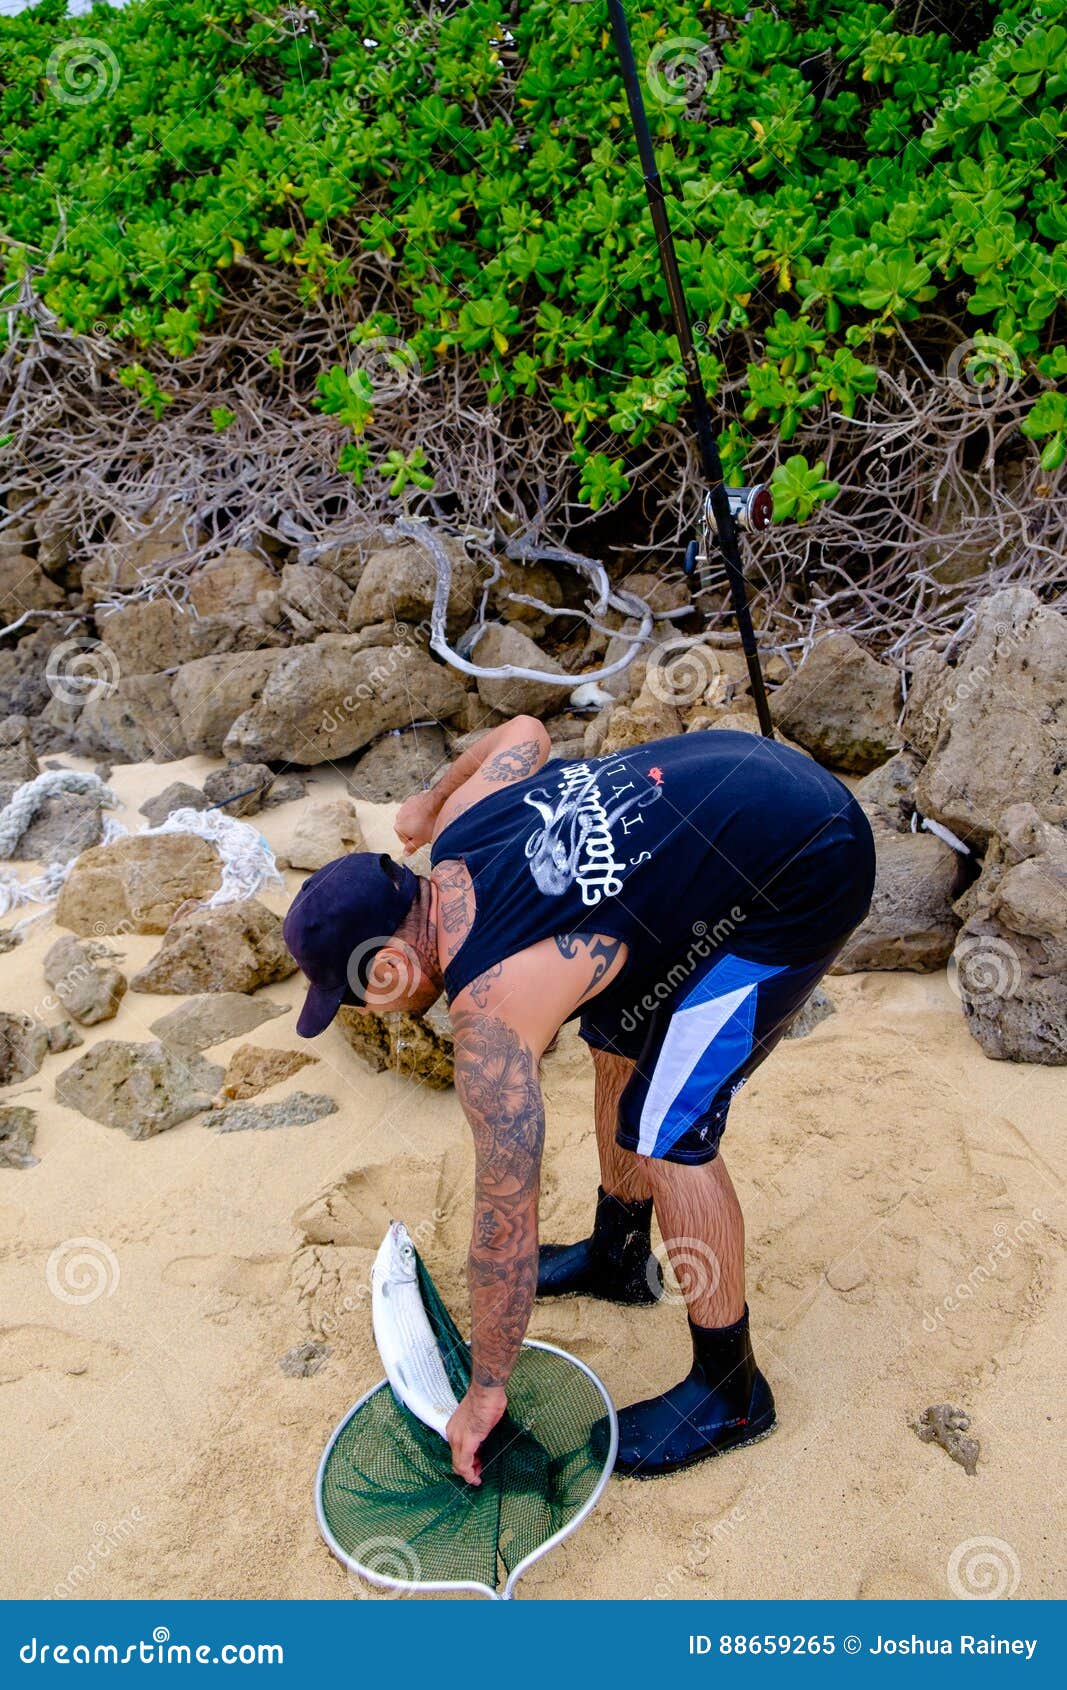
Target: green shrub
(839,182)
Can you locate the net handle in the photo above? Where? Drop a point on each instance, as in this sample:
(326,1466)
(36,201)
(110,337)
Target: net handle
(508,1592)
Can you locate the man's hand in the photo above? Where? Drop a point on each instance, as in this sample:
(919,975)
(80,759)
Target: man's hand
(415,820)
(474,1419)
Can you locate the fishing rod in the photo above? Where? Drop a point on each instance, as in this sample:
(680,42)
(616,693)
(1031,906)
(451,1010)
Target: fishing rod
(724,509)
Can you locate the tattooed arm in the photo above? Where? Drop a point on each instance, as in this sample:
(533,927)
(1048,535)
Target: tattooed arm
(498,1086)
(506,753)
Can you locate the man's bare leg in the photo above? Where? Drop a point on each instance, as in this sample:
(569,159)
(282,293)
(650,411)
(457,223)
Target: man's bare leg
(615,1262)
(724,1401)
(621,1172)
(703,1230)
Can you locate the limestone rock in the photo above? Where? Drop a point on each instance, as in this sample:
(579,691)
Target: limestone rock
(841,704)
(211,1020)
(23,1046)
(235,947)
(179,795)
(990,716)
(299,1110)
(18,1129)
(25,586)
(24,688)
(888,792)
(397,584)
(210,694)
(240,788)
(253,1068)
(18,759)
(138,884)
(1010,960)
(232,583)
(418,1046)
(89,987)
(503,643)
(911,924)
(323,832)
(314,600)
(287,789)
(132,721)
(63,1035)
(401,763)
(533,580)
(141,1088)
(324,701)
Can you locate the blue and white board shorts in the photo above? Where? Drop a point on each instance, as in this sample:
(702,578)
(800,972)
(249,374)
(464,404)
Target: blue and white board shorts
(695,1048)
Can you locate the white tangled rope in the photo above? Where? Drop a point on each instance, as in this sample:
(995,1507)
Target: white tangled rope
(248,864)
(19,812)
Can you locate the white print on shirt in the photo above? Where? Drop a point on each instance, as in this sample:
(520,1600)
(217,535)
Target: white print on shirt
(575,842)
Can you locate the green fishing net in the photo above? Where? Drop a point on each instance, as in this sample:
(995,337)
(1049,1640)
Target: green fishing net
(391,1508)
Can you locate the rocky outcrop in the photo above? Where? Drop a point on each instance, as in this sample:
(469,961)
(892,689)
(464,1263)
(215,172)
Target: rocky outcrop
(84,981)
(397,584)
(18,1129)
(254,1068)
(503,643)
(138,884)
(240,788)
(841,705)
(212,693)
(132,721)
(133,552)
(315,601)
(323,832)
(234,948)
(23,1046)
(818,1008)
(888,793)
(911,924)
(401,763)
(18,760)
(140,1088)
(25,586)
(24,689)
(299,1110)
(234,583)
(418,1046)
(990,716)
(211,1020)
(324,701)
(1010,959)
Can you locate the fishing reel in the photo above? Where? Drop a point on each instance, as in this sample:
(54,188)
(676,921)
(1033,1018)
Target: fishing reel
(751,508)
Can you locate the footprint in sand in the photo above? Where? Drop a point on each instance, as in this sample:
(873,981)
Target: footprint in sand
(48,1349)
(421,1191)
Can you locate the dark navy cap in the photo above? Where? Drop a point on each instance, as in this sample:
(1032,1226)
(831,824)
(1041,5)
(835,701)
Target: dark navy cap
(336,925)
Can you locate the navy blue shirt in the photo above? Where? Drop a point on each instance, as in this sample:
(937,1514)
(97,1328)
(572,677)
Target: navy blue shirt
(722,833)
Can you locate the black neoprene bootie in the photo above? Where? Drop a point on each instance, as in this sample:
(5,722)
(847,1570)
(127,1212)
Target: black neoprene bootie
(723,1403)
(615,1264)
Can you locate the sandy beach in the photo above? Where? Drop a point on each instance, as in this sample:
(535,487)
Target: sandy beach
(905,1213)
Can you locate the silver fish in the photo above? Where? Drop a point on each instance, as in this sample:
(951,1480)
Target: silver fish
(409,1351)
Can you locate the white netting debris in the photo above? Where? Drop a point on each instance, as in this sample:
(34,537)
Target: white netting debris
(20,811)
(248,865)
